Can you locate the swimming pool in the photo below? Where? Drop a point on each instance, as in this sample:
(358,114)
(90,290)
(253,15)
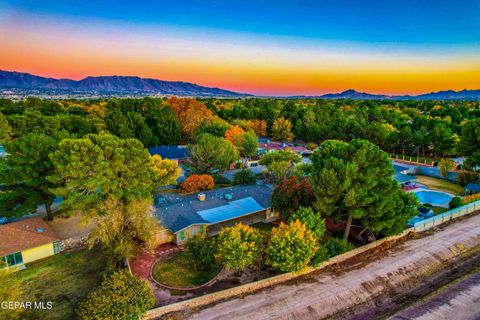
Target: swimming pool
(435,198)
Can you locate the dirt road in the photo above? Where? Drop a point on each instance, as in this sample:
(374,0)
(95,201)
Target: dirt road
(327,294)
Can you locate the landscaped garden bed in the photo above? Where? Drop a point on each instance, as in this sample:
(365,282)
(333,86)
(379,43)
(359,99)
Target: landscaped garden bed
(176,271)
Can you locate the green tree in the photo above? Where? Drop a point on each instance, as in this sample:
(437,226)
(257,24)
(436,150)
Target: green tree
(215,127)
(455,202)
(212,152)
(239,246)
(201,250)
(244,177)
(248,146)
(335,246)
(470,143)
(24,175)
(120,296)
(282,130)
(466,177)
(355,181)
(311,219)
(280,164)
(5,129)
(91,169)
(291,247)
(291,194)
(445,166)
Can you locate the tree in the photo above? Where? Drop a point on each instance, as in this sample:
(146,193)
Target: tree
(291,247)
(164,124)
(466,177)
(455,202)
(5,129)
(234,134)
(215,126)
(291,194)
(212,152)
(166,171)
(470,143)
(311,219)
(91,169)
(248,144)
(282,130)
(446,165)
(197,182)
(280,164)
(239,246)
(191,113)
(10,291)
(201,249)
(120,296)
(335,246)
(258,126)
(355,181)
(244,177)
(24,175)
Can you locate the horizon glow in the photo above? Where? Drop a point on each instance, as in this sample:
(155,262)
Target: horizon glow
(261,61)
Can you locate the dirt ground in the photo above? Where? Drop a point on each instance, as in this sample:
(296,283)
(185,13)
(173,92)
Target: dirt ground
(69,227)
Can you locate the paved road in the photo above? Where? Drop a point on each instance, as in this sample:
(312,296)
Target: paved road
(322,295)
(459,301)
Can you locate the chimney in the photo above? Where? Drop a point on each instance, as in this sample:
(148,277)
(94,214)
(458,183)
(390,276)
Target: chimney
(201,196)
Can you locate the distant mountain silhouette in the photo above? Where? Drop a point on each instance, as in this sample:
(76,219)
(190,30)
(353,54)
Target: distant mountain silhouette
(122,84)
(137,85)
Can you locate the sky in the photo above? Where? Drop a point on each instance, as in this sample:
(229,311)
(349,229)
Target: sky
(261,47)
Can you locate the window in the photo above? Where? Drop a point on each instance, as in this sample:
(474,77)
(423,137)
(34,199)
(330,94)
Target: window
(182,235)
(11,260)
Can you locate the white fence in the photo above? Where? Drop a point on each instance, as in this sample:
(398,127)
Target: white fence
(446,216)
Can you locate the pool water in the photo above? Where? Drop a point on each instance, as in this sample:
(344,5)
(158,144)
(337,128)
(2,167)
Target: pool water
(435,198)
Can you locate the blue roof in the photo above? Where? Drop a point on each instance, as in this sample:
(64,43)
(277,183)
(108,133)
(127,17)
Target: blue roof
(177,212)
(475,187)
(403,178)
(170,152)
(232,210)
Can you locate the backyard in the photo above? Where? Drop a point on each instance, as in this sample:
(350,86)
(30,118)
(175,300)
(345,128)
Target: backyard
(64,279)
(440,184)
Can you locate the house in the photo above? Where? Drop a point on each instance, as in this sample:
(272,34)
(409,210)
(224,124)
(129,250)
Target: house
(267,146)
(177,153)
(186,215)
(26,241)
(472,188)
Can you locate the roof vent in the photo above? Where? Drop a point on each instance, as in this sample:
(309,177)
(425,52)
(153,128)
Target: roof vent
(40,230)
(201,196)
(228,196)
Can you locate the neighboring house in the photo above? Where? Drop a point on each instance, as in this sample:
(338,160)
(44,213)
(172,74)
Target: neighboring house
(185,216)
(472,188)
(177,153)
(26,241)
(267,146)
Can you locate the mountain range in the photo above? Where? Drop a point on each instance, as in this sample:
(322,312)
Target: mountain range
(111,85)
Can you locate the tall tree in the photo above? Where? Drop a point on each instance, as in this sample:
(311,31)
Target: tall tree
(5,129)
(212,152)
(24,175)
(191,114)
(470,143)
(355,181)
(282,130)
(291,194)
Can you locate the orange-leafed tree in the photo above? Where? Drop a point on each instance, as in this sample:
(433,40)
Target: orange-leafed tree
(197,182)
(234,135)
(258,126)
(191,114)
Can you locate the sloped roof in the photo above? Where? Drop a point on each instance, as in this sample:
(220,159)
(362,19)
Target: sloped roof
(475,187)
(177,212)
(169,152)
(403,178)
(25,234)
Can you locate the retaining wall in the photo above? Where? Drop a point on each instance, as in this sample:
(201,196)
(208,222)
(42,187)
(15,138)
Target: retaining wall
(73,243)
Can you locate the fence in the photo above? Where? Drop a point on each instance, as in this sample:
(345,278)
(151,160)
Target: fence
(446,216)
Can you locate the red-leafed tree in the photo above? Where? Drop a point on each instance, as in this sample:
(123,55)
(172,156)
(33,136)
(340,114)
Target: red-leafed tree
(197,182)
(291,194)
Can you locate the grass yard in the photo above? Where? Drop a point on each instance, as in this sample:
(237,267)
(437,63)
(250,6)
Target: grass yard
(440,184)
(177,270)
(64,279)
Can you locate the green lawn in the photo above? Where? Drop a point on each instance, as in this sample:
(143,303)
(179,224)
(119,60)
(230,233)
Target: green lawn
(177,271)
(440,184)
(64,279)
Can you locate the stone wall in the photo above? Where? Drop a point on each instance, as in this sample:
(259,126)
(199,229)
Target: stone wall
(73,243)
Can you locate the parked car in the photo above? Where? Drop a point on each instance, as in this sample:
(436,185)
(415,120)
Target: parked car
(3,220)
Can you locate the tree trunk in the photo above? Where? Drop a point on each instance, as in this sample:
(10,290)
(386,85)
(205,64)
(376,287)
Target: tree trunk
(347,227)
(49,211)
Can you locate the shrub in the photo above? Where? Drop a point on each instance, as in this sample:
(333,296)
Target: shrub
(244,176)
(120,296)
(291,247)
(197,182)
(311,146)
(466,177)
(471,198)
(337,246)
(455,202)
(239,246)
(292,194)
(201,250)
(311,219)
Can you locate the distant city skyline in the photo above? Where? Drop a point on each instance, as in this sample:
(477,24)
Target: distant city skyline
(262,47)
